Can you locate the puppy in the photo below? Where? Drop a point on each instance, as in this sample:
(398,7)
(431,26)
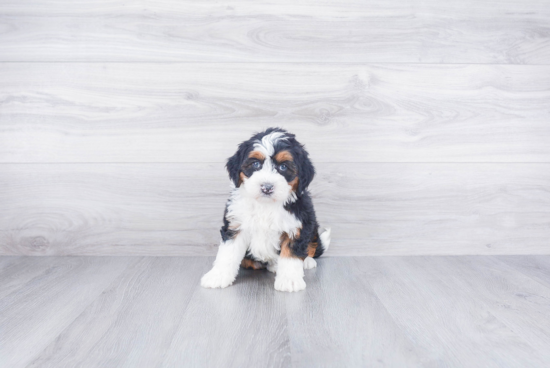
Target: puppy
(269,220)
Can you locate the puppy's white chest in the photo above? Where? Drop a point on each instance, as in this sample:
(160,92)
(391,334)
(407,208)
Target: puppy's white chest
(261,224)
(265,227)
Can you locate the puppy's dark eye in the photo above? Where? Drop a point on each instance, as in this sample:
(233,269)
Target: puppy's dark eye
(282,167)
(256,165)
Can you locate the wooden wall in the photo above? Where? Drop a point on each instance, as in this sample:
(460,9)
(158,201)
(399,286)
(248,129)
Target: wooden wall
(428,121)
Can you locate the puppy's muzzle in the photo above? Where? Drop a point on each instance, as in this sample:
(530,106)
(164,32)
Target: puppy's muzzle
(267,188)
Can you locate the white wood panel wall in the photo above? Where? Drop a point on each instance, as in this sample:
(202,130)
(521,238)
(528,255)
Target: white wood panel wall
(426,31)
(428,121)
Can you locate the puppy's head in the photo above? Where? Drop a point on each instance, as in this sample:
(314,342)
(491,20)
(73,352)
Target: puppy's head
(271,166)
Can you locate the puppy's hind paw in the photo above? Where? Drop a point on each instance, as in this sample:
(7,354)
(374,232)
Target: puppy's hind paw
(216,278)
(272,267)
(309,263)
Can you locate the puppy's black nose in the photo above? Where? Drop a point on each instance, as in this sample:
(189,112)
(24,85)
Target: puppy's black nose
(266,188)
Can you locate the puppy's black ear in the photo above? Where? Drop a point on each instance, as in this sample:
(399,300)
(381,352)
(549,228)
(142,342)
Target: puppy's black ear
(235,162)
(306,171)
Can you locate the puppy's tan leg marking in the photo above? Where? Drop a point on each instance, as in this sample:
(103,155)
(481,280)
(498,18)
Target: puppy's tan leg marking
(290,269)
(311,248)
(252,265)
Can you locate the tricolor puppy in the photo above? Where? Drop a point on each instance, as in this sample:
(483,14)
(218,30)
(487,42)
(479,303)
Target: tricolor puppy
(269,220)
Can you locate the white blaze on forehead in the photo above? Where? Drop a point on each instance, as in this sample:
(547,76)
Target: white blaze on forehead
(268,142)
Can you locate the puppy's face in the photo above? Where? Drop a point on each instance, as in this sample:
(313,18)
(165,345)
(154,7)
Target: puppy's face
(271,167)
(273,178)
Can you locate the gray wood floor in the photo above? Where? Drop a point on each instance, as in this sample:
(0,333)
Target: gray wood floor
(437,311)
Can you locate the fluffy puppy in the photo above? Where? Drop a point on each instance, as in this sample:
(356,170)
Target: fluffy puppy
(269,220)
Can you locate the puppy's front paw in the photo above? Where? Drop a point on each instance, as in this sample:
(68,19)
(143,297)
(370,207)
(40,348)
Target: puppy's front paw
(289,284)
(217,278)
(309,263)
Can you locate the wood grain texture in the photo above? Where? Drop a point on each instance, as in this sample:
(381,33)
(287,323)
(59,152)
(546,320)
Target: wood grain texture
(311,31)
(55,112)
(467,321)
(116,117)
(355,312)
(132,323)
(244,325)
(340,321)
(520,302)
(535,267)
(51,293)
(176,209)
(15,272)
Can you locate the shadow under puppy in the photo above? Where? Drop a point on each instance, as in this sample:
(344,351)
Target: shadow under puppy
(269,220)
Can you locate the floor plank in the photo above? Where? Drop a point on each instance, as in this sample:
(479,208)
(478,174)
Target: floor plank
(341,319)
(355,312)
(309,31)
(456,322)
(6,262)
(535,267)
(151,112)
(517,300)
(17,271)
(132,322)
(244,325)
(37,311)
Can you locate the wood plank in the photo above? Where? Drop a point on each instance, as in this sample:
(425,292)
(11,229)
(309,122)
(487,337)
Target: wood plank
(518,301)
(536,267)
(311,31)
(41,308)
(16,272)
(93,209)
(355,312)
(373,209)
(132,322)
(453,321)
(242,325)
(7,262)
(89,112)
(339,321)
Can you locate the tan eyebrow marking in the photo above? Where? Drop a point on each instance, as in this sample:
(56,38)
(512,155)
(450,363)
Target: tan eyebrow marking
(284,156)
(257,154)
